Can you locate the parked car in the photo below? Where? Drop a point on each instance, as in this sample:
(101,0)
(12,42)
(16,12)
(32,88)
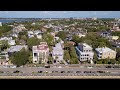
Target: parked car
(78,71)
(47,66)
(40,71)
(17,71)
(62,71)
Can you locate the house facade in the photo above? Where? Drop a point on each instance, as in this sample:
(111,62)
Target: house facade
(58,52)
(84,52)
(105,52)
(40,53)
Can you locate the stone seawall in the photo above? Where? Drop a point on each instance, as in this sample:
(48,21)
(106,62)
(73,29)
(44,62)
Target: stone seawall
(59,77)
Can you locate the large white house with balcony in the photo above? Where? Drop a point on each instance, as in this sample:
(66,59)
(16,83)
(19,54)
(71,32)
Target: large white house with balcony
(58,52)
(40,53)
(84,52)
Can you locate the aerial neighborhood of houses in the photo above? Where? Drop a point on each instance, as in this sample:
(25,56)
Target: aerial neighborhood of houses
(60,41)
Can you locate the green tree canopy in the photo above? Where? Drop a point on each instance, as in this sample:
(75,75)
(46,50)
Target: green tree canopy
(62,35)
(20,58)
(5,28)
(48,38)
(66,55)
(33,41)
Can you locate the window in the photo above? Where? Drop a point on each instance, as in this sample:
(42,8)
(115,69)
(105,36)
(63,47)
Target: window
(35,54)
(87,55)
(100,53)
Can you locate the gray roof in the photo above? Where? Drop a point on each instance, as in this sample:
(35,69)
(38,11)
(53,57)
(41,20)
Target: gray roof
(16,48)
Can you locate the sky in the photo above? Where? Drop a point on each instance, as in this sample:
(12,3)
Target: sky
(59,14)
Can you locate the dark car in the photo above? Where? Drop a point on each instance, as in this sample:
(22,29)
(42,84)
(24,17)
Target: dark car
(108,66)
(47,66)
(70,72)
(1,72)
(78,71)
(16,71)
(62,71)
(101,71)
(40,71)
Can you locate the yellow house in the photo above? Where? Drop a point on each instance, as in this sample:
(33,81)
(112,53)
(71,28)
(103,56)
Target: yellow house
(114,37)
(105,52)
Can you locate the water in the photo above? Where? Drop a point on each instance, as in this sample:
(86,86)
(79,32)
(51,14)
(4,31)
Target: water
(14,20)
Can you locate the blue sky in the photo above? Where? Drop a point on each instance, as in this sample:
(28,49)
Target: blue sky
(59,14)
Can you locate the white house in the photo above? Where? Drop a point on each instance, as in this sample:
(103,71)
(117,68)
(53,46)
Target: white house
(58,52)
(84,52)
(36,32)
(14,35)
(40,53)
(81,35)
(30,34)
(11,42)
(6,38)
(39,36)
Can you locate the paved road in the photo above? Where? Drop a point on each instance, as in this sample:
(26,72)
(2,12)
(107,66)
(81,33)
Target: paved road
(65,71)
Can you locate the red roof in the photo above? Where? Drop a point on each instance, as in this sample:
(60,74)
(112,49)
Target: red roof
(42,47)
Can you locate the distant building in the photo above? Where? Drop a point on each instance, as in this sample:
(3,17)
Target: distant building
(6,38)
(30,34)
(84,52)
(114,37)
(0,23)
(81,35)
(40,53)
(11,42)
(105,34)
(58,52)
(39,36)
(105,52)
(115,27)
(95,18)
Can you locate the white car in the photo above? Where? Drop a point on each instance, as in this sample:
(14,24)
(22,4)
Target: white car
(89,67)
(13,67)
(60,67)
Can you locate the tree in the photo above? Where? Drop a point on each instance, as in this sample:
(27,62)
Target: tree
(95,58)
(33,41)
(66,55)
(50,60)
(5,28)
(62,35)
(49,30)
(20,58)
(56,57)
(48,38)
(73,56)
(73,61)
(113,61)
(76,39)
(4,44)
